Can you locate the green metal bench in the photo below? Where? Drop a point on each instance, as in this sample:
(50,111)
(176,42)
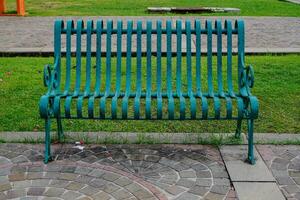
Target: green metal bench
(158,75)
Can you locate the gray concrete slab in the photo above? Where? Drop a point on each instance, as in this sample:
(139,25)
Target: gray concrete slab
(263,34)
(257,191)
(234,158)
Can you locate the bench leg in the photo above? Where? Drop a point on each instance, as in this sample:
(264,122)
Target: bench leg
(238,129)
(60,132)
(251,158)
(47,156)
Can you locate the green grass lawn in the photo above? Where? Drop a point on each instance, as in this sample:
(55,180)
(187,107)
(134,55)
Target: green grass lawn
(138,7)
(277,87)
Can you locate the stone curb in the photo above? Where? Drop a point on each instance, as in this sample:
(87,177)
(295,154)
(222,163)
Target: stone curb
(154,138)
(294,1)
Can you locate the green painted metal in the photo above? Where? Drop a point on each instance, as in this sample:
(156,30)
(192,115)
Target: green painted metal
(184,86)
(208,27)
(138,71)
(158,71)
(148,70)
(169,71)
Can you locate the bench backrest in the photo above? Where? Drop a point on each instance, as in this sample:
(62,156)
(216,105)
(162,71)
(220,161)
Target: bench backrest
(147,40)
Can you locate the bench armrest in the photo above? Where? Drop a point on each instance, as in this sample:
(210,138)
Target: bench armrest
(246,80)
(247,77)
(246,83)
(51,77)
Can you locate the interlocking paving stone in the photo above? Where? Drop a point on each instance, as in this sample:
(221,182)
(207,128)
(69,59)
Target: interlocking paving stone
(49,175)
(3,179)
(88,190)
(11,194)
(258,191)
(19,159)
(5,187)
(21,184)
(59,183)
(16,177)
(84,179)
(204,182)
(110,176)
(285,181)
(35,191)
(84,170)
(199,190)
(284,163)
(121,194)
(36,175)
(101,196)
(98,183)
(75,186)
(186,183)
(68,169)
(18,169)
(175,190)
(40,182)
(70,195)
(188,196)
(221,181)
(203,174)
(187,174)
(219,189)
(214,196)
(35,169)
(116,172)
(54,192)
(142,194)
(291,189)
(123,181)
(4,171)
(68,176)
(110,188)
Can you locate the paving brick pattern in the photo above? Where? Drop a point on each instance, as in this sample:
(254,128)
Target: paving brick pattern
(284,162)
(114,172)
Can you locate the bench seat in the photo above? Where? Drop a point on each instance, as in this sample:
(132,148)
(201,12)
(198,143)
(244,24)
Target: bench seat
(159,106)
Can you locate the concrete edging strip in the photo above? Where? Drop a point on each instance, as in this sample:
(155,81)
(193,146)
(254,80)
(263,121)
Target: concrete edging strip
(135,137)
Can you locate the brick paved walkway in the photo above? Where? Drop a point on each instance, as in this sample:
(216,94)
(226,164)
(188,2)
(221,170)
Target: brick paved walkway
(263,34)
(284,162)
(114,172)
(134,172)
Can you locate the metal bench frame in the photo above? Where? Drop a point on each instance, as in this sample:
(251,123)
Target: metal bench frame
(247,104)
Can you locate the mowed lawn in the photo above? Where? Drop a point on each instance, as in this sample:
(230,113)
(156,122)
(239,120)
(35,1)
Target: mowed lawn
(277,88)
(139,7)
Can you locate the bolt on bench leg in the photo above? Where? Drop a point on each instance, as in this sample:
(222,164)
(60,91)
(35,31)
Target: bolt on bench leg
(251,158)
(47,156)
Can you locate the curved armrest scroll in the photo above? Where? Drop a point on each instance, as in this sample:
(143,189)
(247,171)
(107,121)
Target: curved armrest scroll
(51,77)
